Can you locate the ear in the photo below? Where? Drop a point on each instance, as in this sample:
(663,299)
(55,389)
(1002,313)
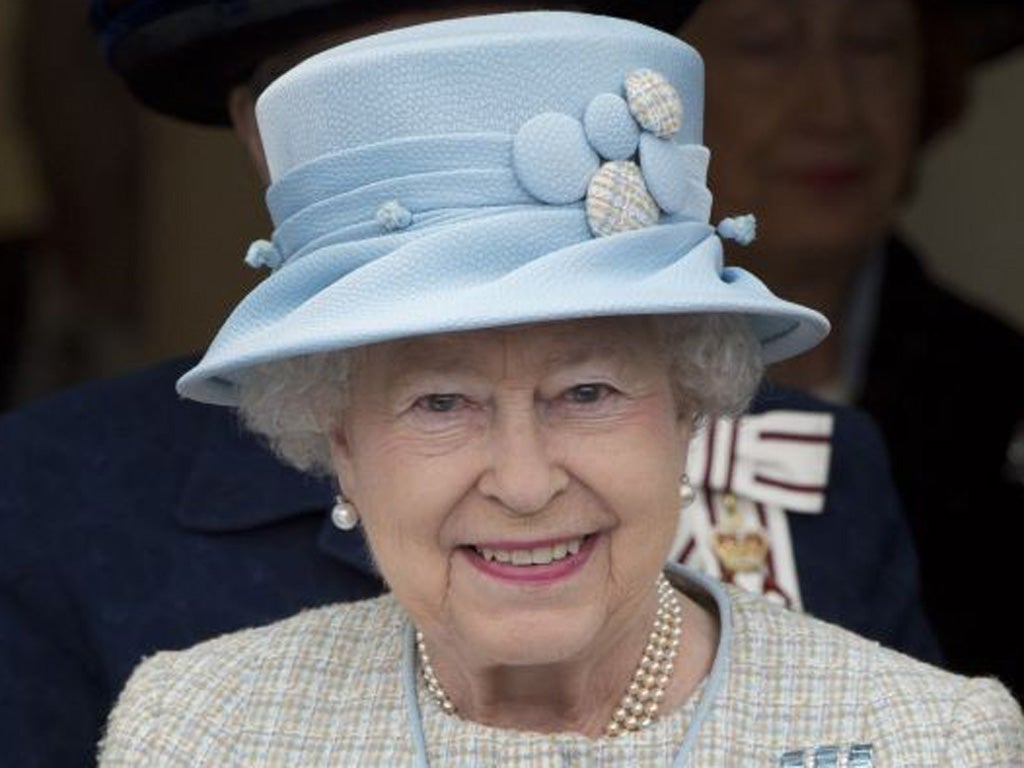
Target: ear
(343,460)
(686,427)
(242,109)
(687,416)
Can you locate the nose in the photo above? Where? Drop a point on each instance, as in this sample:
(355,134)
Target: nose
(829,98)
(522,474)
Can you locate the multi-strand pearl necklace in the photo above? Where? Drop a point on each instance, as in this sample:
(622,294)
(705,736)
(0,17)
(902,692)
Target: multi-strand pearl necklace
(639,706)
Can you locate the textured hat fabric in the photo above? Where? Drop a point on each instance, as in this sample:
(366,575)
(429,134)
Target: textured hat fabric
(181,57)
(446,177)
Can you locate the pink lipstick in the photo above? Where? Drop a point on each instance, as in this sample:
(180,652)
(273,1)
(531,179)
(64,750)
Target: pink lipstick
(533,562)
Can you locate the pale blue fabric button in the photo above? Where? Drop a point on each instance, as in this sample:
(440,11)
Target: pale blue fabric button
(553,159)
(610,127)
(393,216)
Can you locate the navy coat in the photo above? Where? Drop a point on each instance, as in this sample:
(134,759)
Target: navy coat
(132,521)
(945,382)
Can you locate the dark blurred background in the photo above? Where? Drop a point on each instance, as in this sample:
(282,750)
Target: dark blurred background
(122,233)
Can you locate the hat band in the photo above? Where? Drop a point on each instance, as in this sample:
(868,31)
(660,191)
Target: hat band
(355,168)
(424,198)
(415,183)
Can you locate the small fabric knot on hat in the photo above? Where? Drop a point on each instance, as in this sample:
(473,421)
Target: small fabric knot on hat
(742,229)
(263,253)
(393,216)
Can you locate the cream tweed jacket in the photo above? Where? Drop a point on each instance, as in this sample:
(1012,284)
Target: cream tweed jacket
(331,687)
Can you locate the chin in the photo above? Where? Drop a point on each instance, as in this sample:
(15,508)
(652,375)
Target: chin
(826,218)
(538,638)
(802,241)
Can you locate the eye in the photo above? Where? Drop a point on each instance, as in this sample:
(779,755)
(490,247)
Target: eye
(883,31)
(872,43)
(766,45)
(439,403)
(583,394)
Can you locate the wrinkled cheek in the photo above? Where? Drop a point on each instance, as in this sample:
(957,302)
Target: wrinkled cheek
(641,543)
(412,565)
(386,540)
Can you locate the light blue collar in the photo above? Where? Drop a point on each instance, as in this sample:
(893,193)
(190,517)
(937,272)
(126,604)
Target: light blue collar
(687,579)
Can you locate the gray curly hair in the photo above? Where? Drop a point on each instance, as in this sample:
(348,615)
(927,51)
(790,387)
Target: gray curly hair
(714,363)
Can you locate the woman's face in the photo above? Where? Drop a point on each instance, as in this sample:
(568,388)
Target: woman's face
(812,117)
(518,487)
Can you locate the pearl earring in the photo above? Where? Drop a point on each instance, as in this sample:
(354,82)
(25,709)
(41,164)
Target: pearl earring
(686,493)
(343,514)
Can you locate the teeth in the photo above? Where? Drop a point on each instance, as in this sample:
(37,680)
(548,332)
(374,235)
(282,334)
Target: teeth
(521,557)
(542,555)
(535,556)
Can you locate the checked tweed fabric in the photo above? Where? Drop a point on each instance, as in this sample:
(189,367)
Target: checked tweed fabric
(324,689)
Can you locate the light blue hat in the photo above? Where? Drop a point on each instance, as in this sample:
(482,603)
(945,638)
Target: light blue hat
(484,172)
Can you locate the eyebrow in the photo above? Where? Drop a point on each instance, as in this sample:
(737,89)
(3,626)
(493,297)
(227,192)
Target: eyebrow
(446,356)
(586,353)
(441,355)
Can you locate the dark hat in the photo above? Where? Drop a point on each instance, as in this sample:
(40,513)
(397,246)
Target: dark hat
(181,57)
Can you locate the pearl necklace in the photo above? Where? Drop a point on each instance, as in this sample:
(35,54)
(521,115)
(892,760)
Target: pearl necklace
(639,705)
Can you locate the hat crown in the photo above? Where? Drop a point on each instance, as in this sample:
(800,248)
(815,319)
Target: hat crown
(469,75)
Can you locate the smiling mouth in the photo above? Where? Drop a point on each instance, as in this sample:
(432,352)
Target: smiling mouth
(543,555)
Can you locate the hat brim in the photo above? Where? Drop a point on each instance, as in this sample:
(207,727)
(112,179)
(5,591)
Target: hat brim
(527,267)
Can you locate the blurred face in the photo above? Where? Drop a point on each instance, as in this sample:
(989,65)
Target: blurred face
(518,487)
(811,118)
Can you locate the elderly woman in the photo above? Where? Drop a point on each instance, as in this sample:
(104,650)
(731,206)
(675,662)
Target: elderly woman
(496,313)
